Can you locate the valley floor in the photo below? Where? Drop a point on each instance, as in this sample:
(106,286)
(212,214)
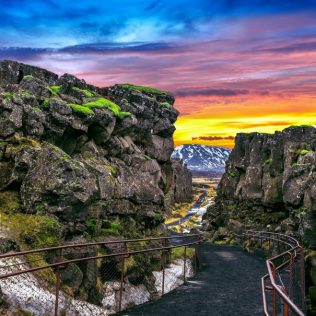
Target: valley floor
(186,216)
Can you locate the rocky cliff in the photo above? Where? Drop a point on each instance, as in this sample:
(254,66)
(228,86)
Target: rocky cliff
(81,162)
(270,184)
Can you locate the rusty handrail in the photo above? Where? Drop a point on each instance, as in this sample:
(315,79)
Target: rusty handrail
(100,243)
(122,254)
(291,255)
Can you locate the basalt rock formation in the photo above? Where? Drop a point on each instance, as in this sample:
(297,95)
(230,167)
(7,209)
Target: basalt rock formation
(269,184)
(81,162)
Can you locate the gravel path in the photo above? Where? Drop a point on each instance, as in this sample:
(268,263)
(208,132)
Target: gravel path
(228,285)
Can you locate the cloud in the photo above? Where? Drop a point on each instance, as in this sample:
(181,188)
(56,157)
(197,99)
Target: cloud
(22,53)
(121,47)
(210,92)
(297,47)
(246,125)
(211,138)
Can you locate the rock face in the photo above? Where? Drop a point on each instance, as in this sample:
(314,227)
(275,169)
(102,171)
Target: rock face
(87,162)
(66,145)
(274,178)
(181,183)
(270,184)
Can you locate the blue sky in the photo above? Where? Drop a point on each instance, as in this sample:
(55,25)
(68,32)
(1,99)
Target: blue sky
(55,24)
(234,65)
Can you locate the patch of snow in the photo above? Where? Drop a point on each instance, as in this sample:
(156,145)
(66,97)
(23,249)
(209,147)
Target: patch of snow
(25,292)
(173,275)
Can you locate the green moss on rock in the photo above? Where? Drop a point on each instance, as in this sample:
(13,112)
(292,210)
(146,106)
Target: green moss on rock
(232,174)
(80,109)
(8,96)
(165,104)
(102,103)
(46,103)
(144,89)
(37,110)
(86,92)
(303,151)
(54,90)
(268,161)
(33,231)
(28,76)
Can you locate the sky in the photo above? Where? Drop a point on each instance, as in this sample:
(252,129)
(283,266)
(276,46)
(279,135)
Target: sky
(233,65)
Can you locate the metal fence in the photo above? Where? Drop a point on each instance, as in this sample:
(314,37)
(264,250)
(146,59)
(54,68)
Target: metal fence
(113,259)
(283,287)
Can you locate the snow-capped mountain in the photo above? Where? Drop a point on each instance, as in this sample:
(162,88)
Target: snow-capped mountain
(203,158)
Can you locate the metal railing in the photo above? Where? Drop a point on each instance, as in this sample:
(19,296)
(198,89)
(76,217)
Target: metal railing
(119,251)
(283,287)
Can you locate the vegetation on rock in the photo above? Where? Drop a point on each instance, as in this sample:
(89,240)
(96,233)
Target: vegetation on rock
(144,89)
(54,90)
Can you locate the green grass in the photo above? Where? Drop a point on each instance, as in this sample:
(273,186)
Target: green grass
(178,253)
(144,89)
(54,90)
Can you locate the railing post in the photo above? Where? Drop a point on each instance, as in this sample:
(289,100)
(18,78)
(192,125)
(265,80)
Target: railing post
(122,259)
(274,292)
(58,259)
(195,265)
(302,272)
(291,277)
(184,259)
(285,307)
(164,244)
(201,251)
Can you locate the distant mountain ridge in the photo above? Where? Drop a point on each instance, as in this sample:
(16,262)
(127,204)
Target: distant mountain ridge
(202,158)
